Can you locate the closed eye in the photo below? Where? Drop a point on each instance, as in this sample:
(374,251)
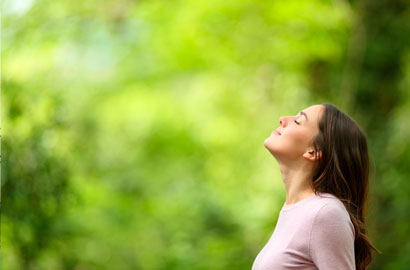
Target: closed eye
(297,123)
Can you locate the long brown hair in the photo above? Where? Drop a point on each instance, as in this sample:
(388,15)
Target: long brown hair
(343,170)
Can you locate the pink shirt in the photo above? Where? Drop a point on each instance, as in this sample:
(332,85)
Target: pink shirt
(314,233)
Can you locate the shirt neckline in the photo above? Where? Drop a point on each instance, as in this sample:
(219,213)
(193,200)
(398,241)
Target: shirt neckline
(287,207)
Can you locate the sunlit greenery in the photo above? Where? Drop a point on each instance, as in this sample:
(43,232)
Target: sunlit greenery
(133,130)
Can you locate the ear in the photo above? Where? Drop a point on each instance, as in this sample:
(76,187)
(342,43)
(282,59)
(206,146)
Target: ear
(312,155)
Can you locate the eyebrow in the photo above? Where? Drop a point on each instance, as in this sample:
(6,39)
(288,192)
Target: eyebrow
(304,114)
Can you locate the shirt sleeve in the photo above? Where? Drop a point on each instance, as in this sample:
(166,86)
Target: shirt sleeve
(332,239)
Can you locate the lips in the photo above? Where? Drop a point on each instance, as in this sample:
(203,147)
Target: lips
(277,132)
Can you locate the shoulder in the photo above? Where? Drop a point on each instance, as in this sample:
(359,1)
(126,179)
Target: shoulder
(331,207)
(331,212)
(326,204)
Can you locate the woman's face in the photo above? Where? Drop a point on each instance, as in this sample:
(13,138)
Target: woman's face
(293,139)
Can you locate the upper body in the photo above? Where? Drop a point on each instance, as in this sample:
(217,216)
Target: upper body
(321,150)
(314,233)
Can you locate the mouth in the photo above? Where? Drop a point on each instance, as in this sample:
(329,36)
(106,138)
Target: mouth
(277,132)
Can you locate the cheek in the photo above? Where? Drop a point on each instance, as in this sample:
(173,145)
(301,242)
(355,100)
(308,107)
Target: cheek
(301,138)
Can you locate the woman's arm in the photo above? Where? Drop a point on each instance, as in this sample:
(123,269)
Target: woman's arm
(332,239)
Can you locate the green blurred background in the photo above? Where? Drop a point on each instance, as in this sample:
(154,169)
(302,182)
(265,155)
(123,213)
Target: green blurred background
(133,130)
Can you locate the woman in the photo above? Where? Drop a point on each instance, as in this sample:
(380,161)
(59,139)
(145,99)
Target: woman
(323,157)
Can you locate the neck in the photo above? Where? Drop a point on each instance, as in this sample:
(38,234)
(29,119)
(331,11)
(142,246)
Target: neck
(296,178)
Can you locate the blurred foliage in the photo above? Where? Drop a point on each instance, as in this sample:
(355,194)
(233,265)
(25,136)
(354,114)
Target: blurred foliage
(133,130)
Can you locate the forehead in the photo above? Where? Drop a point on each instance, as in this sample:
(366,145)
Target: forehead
(314,112)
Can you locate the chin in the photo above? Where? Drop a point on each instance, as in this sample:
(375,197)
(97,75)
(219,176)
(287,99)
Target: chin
(268,143)
(276,149)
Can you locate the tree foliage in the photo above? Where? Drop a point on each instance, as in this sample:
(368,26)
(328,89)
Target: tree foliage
(133,130)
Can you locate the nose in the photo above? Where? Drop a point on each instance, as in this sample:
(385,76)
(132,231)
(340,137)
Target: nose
(282,121)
